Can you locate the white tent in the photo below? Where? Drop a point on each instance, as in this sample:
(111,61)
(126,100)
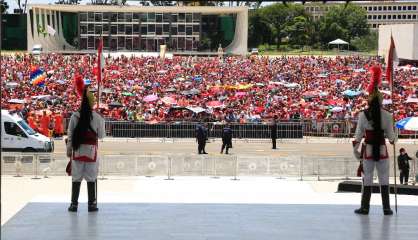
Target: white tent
(339,42)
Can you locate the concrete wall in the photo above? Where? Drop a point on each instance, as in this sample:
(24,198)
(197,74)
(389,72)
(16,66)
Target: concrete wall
(405,37)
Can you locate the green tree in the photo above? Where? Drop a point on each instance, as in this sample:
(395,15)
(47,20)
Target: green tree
(343,22)
(3,6)
(298,30)
(259,31)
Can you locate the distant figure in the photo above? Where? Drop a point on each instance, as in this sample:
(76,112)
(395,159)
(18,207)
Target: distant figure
(201,136)
(273,131)
(403,164)
(220,51)
(45,120)
(226,138)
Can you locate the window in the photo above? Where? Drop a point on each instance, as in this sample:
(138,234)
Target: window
(135,43)
(144,30)
(135,17)
(151,28)
(114,17)
(90,43)
(196,29)
(189,18)
(106,42)
(182,17)
(144,17)
(98,29)
(121,17)
(189,30)
(91,28)
(399,8)
(414,8)
(106,16)
(374,8)
(409,8)
(173,30)
(159,17)
(159,29)
(390,8)
(403,16)
(174,17)
(374,26)
(83,43)
(389,16)
(404,8)
(166,17)
(12,128)
(136,29)
(114,29)
(106,28)
(196,17)
(181,28)
(414,16)
(83,29)
(166,28)
(128,44)
(151,17)
(121,43)
(83,17)
(380,8)
(128,17)
(91,17)
(379,17)
(128,29)
(98,17)
(399,16)
(121,29)
(370,8)
(409,16)
(374,16)
(393,16)
(384,16)
(384,8)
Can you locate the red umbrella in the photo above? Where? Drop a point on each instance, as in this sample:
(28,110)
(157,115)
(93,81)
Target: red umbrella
(214,104)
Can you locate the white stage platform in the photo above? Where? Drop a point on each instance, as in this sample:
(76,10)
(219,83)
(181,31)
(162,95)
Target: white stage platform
(163,221)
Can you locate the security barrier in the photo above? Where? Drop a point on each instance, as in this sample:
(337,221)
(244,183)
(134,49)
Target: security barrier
(301,167)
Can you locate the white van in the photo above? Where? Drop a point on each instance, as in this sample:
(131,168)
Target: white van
(37,49)
(17,136)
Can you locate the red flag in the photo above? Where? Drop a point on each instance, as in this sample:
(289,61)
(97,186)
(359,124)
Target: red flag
(391,57)
(100,67)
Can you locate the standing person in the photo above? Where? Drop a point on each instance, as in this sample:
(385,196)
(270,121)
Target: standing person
(403,164)
(206,136)
(374,123)
(45,120)
(85,128)
(226,138)
(200,138)
(59,128)
(273,131)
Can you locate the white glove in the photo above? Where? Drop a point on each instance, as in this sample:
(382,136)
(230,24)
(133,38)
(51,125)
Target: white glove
(356,152)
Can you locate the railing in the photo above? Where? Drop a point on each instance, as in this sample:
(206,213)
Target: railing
(170,165)
(285,129)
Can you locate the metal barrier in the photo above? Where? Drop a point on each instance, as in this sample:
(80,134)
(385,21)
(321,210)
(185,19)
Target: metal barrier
(302,167)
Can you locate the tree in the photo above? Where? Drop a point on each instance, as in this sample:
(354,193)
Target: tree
(3,6)
(259,31)
(298,30)
(343,22)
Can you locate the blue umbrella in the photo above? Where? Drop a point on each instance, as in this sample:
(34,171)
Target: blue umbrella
(409,123)
(351,93)
(87,81)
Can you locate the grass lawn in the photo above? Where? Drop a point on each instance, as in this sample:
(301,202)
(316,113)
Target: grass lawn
(319,53)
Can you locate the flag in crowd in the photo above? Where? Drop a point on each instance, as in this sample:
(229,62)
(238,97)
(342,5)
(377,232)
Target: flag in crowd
(37,77)
(390,60)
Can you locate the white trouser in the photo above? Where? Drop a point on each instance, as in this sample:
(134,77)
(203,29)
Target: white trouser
(382,167)
(86,170)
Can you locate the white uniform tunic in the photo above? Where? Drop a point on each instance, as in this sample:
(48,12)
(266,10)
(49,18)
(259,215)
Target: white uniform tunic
(81,169)
(369,164)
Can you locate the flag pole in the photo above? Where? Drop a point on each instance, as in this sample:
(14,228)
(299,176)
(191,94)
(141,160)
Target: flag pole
(391,79)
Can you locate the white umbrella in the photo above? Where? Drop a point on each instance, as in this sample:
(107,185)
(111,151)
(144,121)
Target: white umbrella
(17,101)
(409,123)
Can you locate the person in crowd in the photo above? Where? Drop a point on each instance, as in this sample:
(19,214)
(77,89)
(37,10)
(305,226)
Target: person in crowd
(45,121)
(226,138)
(273,131)
(85,128)
(403,164)
(374,124)
(59,127)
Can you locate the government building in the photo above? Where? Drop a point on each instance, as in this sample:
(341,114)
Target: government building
(182,29)
(378,12)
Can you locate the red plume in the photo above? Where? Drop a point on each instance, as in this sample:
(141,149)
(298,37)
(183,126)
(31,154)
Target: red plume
(376,78)
(79,84)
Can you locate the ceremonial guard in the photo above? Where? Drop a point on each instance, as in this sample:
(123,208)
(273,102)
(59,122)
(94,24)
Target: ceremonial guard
(226,138)
(373,125)
(85,128)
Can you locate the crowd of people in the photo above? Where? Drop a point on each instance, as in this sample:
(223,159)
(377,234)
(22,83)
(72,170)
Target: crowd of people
(235,89)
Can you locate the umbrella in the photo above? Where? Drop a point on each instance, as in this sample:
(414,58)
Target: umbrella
(12,84)
(107,90)
(194,91)
(128,94)
(162,71)
(351,93)
(409,123)
(87,81)
(169,100)
(240,94)
(150,98)
(214,104)
(337,109)
(17,101)
(170,90)
(359,70)
(198,78)
(115,104)
(411,100)
(42,97)
(196,109)
(292,85)
(387,101)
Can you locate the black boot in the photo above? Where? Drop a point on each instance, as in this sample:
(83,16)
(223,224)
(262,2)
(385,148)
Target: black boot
(91,191)
(365,201)
(384,190)
(75,191)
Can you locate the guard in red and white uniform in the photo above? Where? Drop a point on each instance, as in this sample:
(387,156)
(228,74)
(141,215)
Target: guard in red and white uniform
(374,125)
(85,128)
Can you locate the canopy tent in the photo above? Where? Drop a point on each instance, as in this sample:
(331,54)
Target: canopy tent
(339,42)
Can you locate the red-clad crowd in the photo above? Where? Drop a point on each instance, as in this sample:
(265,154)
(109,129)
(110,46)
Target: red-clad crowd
(235,89)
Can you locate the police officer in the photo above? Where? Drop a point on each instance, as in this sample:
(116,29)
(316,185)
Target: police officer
(201,136)
(403,164)
(273,131)
(226,138)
